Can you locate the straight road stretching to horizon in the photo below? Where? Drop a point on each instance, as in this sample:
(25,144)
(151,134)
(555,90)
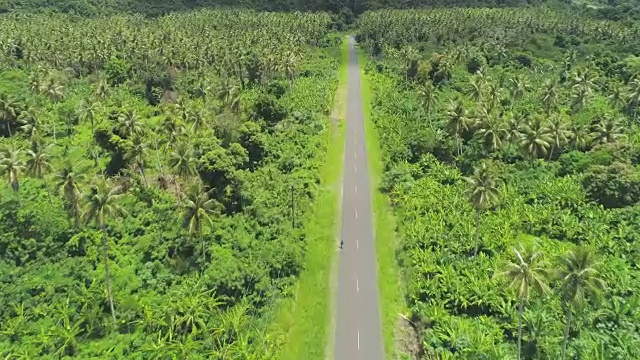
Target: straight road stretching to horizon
(358,334)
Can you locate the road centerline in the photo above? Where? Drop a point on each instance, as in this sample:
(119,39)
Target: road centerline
(357,308)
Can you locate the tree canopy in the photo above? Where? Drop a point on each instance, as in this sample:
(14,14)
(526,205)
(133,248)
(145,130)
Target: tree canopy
(145,208)
(508,129)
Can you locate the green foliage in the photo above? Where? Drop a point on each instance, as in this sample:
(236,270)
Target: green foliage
(117,71)
(615,185)
(526,148)
(343,11)
(144,211)
(268,109)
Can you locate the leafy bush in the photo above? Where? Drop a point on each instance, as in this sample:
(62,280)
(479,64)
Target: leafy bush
(144,213)
(117,70)
(616,185)
(486,189)
(268,109)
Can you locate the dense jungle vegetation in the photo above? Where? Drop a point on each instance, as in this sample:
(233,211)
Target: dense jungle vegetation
(511,146)
(156,175)
(343,11)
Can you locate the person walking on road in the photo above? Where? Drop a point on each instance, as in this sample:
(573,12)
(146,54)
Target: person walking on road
(341,243)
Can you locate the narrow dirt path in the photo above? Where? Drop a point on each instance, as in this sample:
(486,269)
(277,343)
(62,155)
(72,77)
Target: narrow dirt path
(357,324)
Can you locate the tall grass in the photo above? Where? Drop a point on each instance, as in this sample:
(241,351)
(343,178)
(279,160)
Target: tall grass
(310,320)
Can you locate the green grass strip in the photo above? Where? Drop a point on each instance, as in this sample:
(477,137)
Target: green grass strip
(311,316)
(391,300)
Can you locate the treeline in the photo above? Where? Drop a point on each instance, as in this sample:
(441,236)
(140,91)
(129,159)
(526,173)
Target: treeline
(614,9)
(90,8)
(155,179)
(344,11)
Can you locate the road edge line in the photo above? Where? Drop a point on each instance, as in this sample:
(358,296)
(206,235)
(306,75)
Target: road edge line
(384,226)
(307,337)
(333,288)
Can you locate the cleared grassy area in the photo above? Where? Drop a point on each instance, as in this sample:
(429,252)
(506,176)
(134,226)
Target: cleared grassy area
(391,300)
(311,316)
(338,115)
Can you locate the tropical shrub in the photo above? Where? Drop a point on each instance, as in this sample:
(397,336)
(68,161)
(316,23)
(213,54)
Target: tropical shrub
(146,213)
(513,164)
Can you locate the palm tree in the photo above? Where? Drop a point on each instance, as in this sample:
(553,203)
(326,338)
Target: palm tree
(182,161)
(199,120)
(550,95)
(570,59)
(535,141)
(183,164)
(183,109)
(129,124)
(557,131)
(617,96)
(197,208)
(173,129)
(493,95)
(476,88)
(445,67)
(606,131)
(87,112)
(35,81)
(409,55)
(54,91)
(579,97)
(527,273)
(195,302)
(10,166)
(101,205)
(580,137)
(458,122)
(50,123)
(67,185)
(580,279)
(92,152)
(483,193)
(519,87)
(427,94)
(583,79)
(491,132)
(513,129)
(500,52)
(289,64)
(38,163)
(31,124)
(102,90)
(633,97)
(8,111)
(137,155)
(536,324)
(228,92)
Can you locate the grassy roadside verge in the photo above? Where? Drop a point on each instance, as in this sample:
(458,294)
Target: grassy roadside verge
(311,319)
(391,301)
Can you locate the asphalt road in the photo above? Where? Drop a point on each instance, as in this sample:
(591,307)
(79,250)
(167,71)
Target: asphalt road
(358,334)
